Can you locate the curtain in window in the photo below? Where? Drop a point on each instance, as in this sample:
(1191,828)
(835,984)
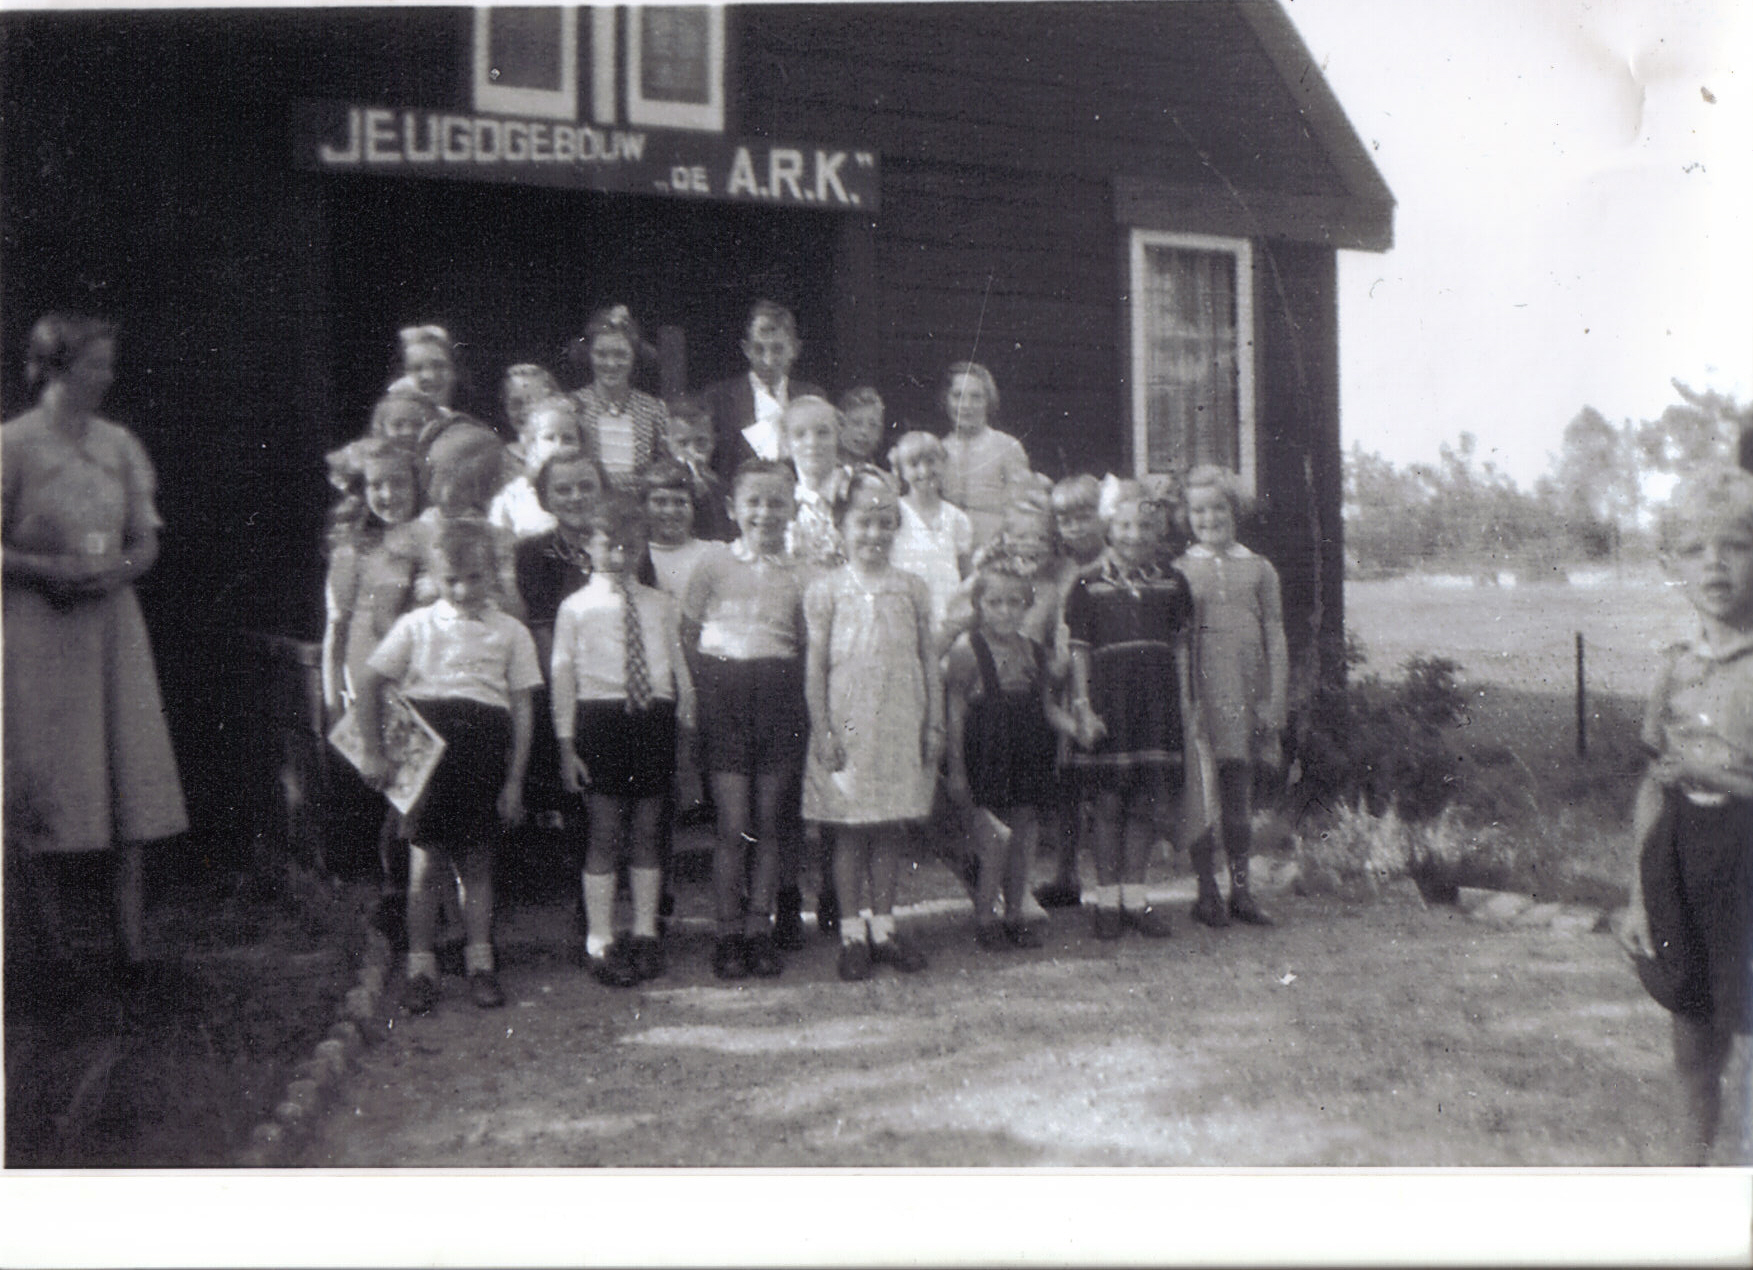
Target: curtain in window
(1191,372)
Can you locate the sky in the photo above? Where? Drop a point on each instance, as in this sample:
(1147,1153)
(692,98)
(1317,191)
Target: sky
(1575,215)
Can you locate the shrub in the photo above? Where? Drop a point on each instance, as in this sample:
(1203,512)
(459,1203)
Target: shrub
(1362,851)
(1381,744)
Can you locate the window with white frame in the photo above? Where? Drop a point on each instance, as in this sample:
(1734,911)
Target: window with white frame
(675,66)
(526,61)
(1192,353)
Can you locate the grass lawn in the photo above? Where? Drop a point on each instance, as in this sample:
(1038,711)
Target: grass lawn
(1564,816)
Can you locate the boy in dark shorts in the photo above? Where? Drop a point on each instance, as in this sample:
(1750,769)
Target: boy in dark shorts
(1687,927)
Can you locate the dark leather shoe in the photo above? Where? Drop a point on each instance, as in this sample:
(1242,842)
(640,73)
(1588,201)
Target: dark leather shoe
(1245,910)
(855,961)
(420,994)
(484,990)
(1149,921)
(1108,924)
(647,956)
(1022,935)
(990,936)
(1208,910)
(1058,895)
(729,961)
(614,968)
(762,957)
(897,952)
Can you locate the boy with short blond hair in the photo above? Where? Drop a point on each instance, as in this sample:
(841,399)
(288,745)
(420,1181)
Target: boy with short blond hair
(1687,927)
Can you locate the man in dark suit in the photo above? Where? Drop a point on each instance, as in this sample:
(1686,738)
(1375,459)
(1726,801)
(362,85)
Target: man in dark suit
(746,408)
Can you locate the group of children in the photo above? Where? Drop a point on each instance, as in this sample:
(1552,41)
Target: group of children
(856,665)
(849,669)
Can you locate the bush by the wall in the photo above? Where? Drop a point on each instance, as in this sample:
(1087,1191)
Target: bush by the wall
(1382,744)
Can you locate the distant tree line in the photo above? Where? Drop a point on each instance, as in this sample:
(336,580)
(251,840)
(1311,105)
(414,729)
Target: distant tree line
(1463,514)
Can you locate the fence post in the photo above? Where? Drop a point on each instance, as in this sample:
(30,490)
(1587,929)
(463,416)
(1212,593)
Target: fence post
(1582,716)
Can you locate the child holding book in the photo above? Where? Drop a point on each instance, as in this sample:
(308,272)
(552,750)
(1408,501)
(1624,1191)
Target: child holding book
(469,669)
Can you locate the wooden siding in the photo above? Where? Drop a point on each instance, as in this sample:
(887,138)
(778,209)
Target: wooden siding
(145,165)
(1178,90)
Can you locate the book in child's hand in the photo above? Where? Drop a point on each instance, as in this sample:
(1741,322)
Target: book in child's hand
(409,743)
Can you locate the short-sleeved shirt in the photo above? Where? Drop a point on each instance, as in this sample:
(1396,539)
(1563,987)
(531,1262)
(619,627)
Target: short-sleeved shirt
(746,607)
(675,565)
(438,653)
(590,638)
(1703,706)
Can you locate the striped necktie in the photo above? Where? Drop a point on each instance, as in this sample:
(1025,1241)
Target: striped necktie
(638,673)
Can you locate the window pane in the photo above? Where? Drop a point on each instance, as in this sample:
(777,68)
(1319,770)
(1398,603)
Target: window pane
(526,48)
(675,53)
(1192,377)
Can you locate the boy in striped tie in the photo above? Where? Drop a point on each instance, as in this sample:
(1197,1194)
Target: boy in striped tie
(620,689)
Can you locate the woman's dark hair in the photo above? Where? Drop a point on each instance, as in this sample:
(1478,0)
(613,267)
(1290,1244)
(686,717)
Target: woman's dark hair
(748,469)
(57,341)
(616,319)
(567,458)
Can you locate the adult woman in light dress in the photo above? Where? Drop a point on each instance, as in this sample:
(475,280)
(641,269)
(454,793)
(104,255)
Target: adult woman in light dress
(88,763)
(985,469)
(624,429)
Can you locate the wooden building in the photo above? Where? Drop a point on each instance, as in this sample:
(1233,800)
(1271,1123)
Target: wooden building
(1129,211)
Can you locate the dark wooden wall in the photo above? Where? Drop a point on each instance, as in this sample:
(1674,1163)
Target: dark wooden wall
(145,174)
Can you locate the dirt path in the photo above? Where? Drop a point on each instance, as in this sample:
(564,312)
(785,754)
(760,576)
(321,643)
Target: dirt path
(1351,1035)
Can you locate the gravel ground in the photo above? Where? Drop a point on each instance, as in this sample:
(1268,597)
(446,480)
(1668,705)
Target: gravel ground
(1382,1034)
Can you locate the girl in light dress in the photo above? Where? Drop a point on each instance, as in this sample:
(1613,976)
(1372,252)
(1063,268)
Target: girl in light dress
(876,721)
(1241,673)
(379,484)
(986,469)
(936,537)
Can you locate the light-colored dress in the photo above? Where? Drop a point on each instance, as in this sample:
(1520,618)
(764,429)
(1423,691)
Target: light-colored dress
(983,475)
(88,755)
(1237,612)
(876,698)
(933,551)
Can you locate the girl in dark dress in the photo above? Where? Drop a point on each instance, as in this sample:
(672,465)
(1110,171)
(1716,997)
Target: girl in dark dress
(1129,618)
(1001,744)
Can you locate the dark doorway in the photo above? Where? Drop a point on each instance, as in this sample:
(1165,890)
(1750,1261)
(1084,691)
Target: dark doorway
(514,273)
